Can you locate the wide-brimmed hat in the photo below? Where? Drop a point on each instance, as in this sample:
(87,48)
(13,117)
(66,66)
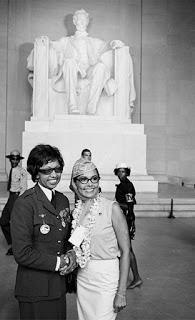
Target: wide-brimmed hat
(81,167)
(122,165)
(14,154)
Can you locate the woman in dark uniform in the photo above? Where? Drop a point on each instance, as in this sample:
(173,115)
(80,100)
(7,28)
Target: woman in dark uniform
(40,228)
(125,196)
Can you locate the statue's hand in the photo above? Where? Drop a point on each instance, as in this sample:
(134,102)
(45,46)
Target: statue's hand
(115,44)
(82,70)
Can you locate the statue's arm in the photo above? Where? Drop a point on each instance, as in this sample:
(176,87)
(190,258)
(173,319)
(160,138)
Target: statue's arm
(59,49)
(53,59)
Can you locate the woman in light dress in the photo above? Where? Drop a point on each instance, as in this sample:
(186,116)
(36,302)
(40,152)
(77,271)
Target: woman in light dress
(101,241)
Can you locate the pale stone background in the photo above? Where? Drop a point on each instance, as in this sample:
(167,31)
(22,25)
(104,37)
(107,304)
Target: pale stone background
(160,34)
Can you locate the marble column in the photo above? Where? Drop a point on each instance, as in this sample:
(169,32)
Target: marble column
(3,84)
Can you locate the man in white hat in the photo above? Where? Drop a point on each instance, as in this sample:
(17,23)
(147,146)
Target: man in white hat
(17,184)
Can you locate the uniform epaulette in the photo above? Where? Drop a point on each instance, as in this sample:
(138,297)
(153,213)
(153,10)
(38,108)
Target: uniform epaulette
(28,192)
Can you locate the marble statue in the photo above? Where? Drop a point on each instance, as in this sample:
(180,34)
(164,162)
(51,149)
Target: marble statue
(79,72)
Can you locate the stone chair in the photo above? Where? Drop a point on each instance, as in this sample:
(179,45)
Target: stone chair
(116,98)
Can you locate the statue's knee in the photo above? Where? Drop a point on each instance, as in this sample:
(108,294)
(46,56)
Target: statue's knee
(100,67)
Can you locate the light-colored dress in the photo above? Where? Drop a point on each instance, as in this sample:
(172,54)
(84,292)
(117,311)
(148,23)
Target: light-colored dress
(97,282)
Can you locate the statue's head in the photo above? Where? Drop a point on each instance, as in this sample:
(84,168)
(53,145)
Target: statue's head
(81,20)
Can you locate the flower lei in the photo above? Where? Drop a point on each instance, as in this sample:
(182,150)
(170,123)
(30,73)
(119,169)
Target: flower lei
(83,251)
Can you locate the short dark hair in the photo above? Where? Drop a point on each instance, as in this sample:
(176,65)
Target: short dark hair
(40,155)
(84,150)
(127,171)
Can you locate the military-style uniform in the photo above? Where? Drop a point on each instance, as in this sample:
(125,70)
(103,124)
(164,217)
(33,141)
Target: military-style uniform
(17,184)
(39,234)
(124,188)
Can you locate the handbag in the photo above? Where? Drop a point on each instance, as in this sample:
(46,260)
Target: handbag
(71,281)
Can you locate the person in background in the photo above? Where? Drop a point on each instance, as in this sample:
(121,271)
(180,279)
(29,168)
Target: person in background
(99,236)
(40,228)
(85,155)
(125,196)
(17,184)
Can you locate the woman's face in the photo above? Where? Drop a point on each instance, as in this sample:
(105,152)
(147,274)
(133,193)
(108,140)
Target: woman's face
(88,189)
(49,174)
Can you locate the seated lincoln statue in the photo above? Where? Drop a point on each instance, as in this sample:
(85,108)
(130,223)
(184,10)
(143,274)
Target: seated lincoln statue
(81,75)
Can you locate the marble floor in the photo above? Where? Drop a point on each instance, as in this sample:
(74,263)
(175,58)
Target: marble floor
(165,253)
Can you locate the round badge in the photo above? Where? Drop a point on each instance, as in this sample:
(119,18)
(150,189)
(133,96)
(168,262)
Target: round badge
(63,224)
(44,228)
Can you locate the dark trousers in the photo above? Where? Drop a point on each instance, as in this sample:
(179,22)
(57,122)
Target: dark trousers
(6,215)
(44,310)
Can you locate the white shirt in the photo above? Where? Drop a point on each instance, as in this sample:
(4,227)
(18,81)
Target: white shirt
(47,192)
(18,180)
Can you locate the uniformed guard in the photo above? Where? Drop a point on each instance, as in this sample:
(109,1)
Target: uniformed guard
(17,184)
(125,196)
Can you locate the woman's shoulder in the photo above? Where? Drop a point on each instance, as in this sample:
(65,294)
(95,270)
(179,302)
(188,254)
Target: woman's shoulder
(62,196)
(28,193)
(108,204)
(25,201)
(106,200)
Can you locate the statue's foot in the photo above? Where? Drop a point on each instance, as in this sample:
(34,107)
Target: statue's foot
(74,110)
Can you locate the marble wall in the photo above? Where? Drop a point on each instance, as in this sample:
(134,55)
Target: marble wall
(168,87)
(160,36)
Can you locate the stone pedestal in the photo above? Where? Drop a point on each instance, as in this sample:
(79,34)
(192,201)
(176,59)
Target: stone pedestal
(111,140)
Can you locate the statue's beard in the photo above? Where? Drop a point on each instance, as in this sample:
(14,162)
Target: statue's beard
(81,33)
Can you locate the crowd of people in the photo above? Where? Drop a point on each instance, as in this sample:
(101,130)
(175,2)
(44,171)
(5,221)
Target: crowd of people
(54,246)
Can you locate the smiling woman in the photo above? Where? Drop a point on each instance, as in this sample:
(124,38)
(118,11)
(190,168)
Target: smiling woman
(40,231)
(87,182)
(101,242)
(49,174)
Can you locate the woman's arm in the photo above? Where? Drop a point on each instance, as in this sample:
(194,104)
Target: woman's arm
(122,235)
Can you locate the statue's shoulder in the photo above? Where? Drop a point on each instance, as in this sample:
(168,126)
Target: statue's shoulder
(60,42)
(97,41)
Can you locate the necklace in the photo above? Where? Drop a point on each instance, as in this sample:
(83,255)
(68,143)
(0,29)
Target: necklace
(83,251)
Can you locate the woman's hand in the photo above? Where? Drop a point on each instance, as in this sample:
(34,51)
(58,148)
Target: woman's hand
(119,302)
(68,263)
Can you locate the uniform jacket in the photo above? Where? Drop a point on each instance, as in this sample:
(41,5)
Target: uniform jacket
(123,188)
(35,252)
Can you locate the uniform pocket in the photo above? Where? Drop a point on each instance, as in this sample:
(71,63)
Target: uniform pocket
(43,229)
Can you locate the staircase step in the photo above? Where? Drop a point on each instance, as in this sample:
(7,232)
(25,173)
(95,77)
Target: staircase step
(146,207)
